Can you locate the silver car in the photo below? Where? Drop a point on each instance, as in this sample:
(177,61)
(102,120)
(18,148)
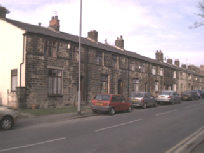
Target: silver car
(142,99)
(7,118)
(168,96)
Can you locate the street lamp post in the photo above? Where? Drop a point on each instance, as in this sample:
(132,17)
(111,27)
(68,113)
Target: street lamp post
(79,97)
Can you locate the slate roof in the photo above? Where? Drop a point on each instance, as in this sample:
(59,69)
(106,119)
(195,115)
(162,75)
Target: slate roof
(66,36)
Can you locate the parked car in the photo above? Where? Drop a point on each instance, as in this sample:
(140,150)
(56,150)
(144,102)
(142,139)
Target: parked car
(202,94)
(168,96)
(110,103)
(189,95)
(199,93)
(7,118)
(142,99)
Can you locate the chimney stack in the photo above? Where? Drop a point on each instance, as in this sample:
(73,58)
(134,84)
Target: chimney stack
(3,12)
(159,56)
(93,34)
(189,67)
(183,66)
(120,42)
(169,61)
(177,63)
(54,23)
(202,67)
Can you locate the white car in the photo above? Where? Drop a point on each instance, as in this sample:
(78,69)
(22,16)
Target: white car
(7,118)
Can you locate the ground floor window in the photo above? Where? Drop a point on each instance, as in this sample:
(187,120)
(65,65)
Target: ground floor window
(156,86)
(104,83)
(136,85)
(54,82)
(13,80)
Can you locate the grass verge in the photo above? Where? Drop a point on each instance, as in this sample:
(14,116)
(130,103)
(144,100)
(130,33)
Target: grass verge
(49,111)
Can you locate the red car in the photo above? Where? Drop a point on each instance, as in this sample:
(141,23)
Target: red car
(110,103)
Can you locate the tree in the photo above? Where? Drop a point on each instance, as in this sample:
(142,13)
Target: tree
(201,15)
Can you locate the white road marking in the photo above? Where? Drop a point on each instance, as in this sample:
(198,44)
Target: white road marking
(102,129)
(189,106)
(184,142)
(30,145)
(166,112)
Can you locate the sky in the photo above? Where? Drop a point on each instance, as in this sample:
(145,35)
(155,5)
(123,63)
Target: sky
(146,25)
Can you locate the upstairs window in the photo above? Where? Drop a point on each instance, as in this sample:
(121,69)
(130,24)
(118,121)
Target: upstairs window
(154,70)
(161,71)
(99,58)
(132,65)
(50,49)
(114,61)
(13,80)
(174,74)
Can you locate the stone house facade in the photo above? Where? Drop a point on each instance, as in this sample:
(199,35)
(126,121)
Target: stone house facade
(48,73)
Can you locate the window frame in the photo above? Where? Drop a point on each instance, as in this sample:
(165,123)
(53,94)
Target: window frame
(57,84)
(14,72)
(98,59)
(50,48)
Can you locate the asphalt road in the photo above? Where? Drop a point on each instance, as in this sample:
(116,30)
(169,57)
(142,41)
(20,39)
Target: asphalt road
(151,130)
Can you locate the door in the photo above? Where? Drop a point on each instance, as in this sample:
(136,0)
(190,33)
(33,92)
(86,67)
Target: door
(115,102)
(124,105)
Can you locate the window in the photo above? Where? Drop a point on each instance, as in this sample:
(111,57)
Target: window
(114,61)
(54,82)
(13,80)
(132,65)
(154,70)
(174,74)
(156,86)
(102,97)
(115,99)
(136,85)
(122,99)
(50,49)
(161,71)
(104,83)
(99,58)
(174,87)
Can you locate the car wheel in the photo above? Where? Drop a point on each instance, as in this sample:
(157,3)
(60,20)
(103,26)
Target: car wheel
(155,104)
(144,106)
(7,123)
(112,111)
(94,111)
(129,109)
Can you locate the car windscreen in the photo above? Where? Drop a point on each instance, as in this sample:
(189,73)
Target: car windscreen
(165,93)
(136,95)
(186,92)
(102,97)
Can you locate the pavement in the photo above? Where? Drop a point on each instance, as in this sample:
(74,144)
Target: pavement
(30,119)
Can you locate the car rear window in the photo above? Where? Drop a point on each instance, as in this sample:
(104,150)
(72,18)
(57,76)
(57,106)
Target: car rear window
(102,97)
(137,95)
(165,93)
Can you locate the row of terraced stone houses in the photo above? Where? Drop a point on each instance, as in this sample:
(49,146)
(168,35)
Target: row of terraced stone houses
(39,65)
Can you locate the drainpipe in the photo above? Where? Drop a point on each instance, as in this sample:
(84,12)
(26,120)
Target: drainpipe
(23,56)
(128,77)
